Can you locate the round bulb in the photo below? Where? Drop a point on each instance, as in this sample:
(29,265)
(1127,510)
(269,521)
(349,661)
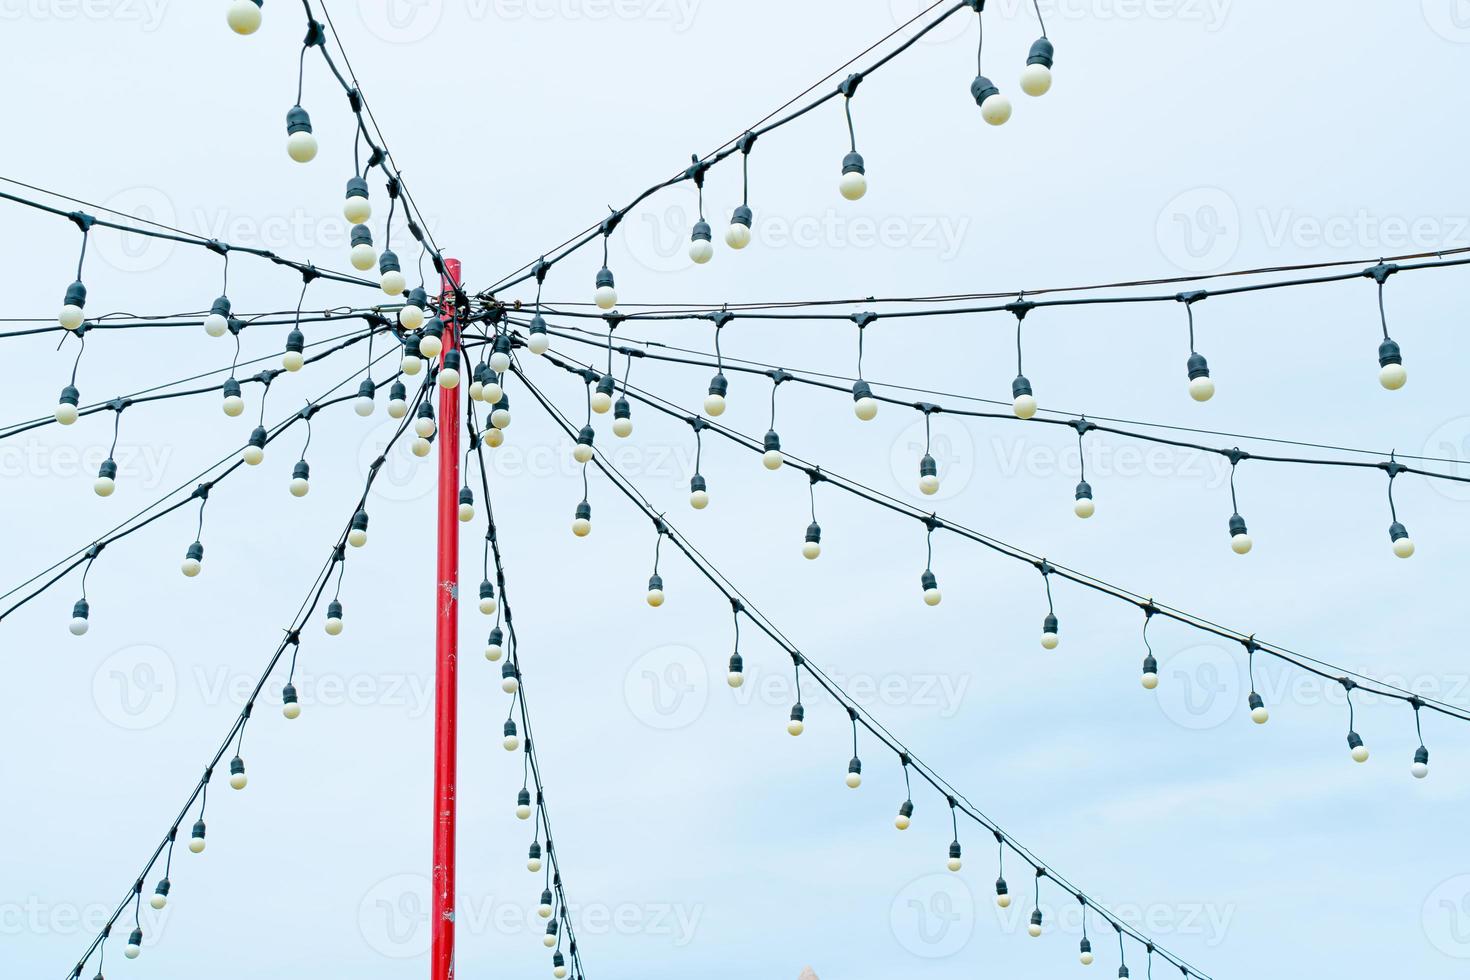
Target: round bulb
(772,459)
(397,408)
(1150,681)
(499,361)
(357,537)
(1084,508)
(701,251)
(429,345)
(1403,547)
(78,626)
(488,606)
(234,405)
(420,447)
(928,485)
(393,282)
(533,865)
(655,597)
(214,324)
(606,297)
(196,845)
(131,950)
(448,379)
(1050,641)
(1033,930)
(699,499)
(158,901)
(511,743)
(66,414)
(854,185)
(1260,715)
(538,343)
(996,110)
(423,427)
(466,513)
(292,711)
(500,418)
(714,405)
(1202,389)
(1419,770)
(357,210)
(334,627)
(734,679)
(737,236)
(601,402)
(363,406)
(582,453)
(523,811)
(932,597)
(1003,901)
(811,550)
(901,822)
(494,652)
(301,146)
(363,257)
(1392,376)
(243,17)
(411,364)
(238,780)
(1024,406)
(70,317)
(1360,754)
(253,455)
(866,409)
(623,428)
(104,486)
(299,487)
(190,567)
(581,527)
(1035,81)
(1241,544)
(494,438)
(854,780)
(292,360)
(1086,958)
(795,727)
(954,864)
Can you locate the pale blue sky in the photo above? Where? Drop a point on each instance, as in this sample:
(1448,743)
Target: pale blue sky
(697,837)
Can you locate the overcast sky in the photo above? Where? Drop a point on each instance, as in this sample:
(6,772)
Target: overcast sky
(697,837)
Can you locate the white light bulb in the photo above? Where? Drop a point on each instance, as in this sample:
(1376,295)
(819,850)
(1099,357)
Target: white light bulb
(1241,544)
(411,364)
(70,316)
(544,911)
(500,418)
(538,343)
(929,485)
(1419,770)
(523,811)
(558,972)
(253,455)
(499,361)
(1150,681)
(158,901)
(622,428)
(954,864)
(334,627)
(79,626)
(1035,81)
(66,414)
(420,447)
(494,438)
(714,405)
(737,235)
(511,743)
(243,17)
(699,499)
(233,405)
(190,567)
(363,257)
(1360,753)
(1003,901)
(1084,507)
(866,409)
(466,513)
(214,324)
(357,210)
(292,711)
(901,822)
(932,597)
(533,865)
(1024,406)
(795,727)
(488,605)
(1033,930)
(131,950)
(1086,958)
(429,345)
(655,597)
(494,652)
(1260,715)
(238,780)
(1393,376)
(423,427)
(411,318)
(701,251)
(292,360)
(582,453)
(853,186)
(393,282)
(363,406)
(854,780)
(301,147)
(581,527)
(299,487)
(772,459)
(601,402)
(1050,641)
(103,486)
(996,110)
(397,408)
(606,297)
(448,379)
(357,537)
(196,845)
(1403,547)
(811,550)
(1202,389)
(734,679)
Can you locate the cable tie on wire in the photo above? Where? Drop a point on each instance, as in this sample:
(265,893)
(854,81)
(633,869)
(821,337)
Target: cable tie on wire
(976,5)
(863,319)
(999,837)
(309,273)
(216,246)
(779,376)
(95,549)
(202,491)
(697,424)
(1083,426)
(933,523)
(1020,308)
(310,410)
(720,318)
(1393,467)
(1190,298)
(293,637)
(315,35)
(1251,646)
(540,269)
(354,99)
(849,85)
(418,236)
(928,408)
(611,222)
(82,220)
(816,475)
(737,606)
(1348,684)
(697,170)
(394,188)
(1236,455)
(797,658)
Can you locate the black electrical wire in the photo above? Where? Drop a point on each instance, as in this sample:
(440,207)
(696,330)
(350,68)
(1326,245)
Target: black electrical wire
(1250,641)
(291,641)
(957,802)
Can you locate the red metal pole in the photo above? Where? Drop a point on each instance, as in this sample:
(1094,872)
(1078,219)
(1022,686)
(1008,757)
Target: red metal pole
(446,669)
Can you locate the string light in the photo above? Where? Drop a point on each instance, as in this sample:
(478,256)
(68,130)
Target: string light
(655,581)
(1201,385)
(1356,748)
(811,547)
(512,741)
(1420,767)
(362,256)
(955,863)
(397,400)
(930,584)
(1050,626)
(1023,399)
(738,233)
(243,16)
(1391,372)
(495,645)
(357,534)
(1240,539)
(701,238)
(1150,677)
(1403,545)
(735,676)
(905,816)
(854,182)
(995,108)
(1033,928)
(1082,503)
(357,206)
(855,767)
(217,323)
